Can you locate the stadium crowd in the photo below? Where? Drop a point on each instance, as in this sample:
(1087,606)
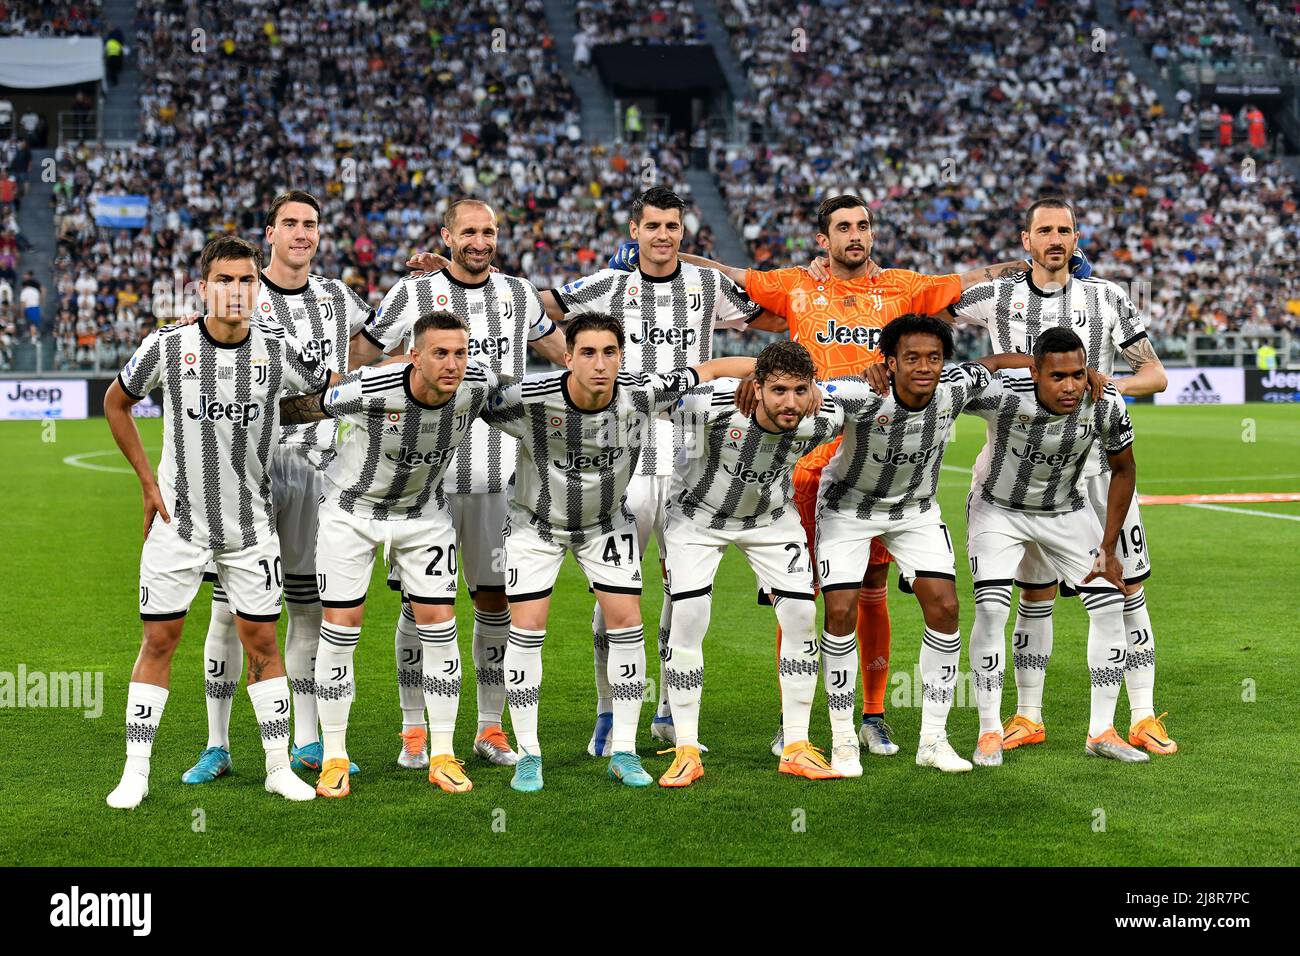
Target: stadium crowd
(603,22)
(51,18)
(1204,237)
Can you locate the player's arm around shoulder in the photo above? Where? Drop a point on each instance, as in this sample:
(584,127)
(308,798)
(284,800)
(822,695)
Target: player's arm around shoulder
(736,366)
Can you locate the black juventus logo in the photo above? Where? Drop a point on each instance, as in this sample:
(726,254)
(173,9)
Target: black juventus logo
(948,673)
(259,374)
(1117,655)
(410,655)
(216,668)
(320,580)
(339,673)
(1020,640)
(839,679)
(991,661)
(144,596)
(452,667)
(810,647)
(506,309)
(629,670)
(667,654)
(696,301)
(143,711)
(460,421)
(1140,637)
(282,705)
(513,578)
(496,655)
(516,677)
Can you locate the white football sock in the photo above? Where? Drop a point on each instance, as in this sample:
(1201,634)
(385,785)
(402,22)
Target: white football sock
(410,669)
(1031,649)
(840,676)
(665,708)
(223,659)
(1140,668)
(491,631)
(626,684)
(600,654)
(682,671)
(1107,650)
(335,687)
(940,661)
(441,682)
(144,710)
(523,670)
(301,638)
(797,667)
(986,651)
(270,699)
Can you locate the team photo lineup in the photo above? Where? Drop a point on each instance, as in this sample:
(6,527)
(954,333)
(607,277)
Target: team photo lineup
(290,462)
(648,435)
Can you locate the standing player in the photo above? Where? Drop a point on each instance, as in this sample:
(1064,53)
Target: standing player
(670,308)
(386,488)
(221,380)
(505,315)
(838,320)
(1016,310)
(322,315)
(581,433)
(1027,490)
(882,485)
(736,490)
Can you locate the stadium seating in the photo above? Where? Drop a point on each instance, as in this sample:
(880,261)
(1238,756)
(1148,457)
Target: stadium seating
(51,18)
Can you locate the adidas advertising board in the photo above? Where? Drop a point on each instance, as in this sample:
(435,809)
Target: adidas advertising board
(1204,386)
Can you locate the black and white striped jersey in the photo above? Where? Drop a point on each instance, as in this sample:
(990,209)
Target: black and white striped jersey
(504,313)
(1035,458)
(220,416)
(668,323)
(574,466)
(322,315)
(1015,312)
(888,464)
(737,474)
(393,462)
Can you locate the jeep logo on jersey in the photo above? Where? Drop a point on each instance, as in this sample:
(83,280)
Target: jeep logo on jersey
(241,413)
(678,338)
(750,476)
(1036,457)
(489,347)
(413,457)
(836,334)
(317,350)
(904,458)
(580,462)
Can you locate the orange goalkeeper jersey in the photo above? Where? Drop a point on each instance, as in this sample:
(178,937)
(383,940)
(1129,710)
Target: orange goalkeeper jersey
(839,320)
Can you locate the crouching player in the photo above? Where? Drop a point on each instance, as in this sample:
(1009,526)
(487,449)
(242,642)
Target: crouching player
(1028,490)
(385,487)
(737,489)
(581,433)
(882,484)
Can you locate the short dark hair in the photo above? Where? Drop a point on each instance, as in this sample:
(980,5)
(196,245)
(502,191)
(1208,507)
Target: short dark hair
(282,200)
(784,358)
(835,204)
(591,322)
(228,247)
(661,197)
(449,217)
(442,320)
(1057,339)
(1050,202)
(914,324)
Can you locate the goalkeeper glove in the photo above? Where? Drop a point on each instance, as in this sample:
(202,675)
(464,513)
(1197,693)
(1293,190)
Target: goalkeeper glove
(625,260)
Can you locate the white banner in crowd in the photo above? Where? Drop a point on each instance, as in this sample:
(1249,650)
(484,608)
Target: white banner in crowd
(43,398)
(1204,386)
(34,63)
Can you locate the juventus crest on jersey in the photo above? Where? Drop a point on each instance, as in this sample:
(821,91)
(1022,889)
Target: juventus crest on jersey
(668,323)
(220,408)
(574,466)
(737,473)
(504,313)
(1035,458)
(888,464)
(322,315)
(392,466)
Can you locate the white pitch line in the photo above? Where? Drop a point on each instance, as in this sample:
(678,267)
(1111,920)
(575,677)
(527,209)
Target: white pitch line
(1245,511)
(76,462)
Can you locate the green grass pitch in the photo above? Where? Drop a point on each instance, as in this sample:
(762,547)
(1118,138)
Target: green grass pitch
(1223,601)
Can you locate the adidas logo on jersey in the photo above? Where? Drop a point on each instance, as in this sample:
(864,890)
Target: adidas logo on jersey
(392,430)
(1199,391)
(636,575)
(190,373)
